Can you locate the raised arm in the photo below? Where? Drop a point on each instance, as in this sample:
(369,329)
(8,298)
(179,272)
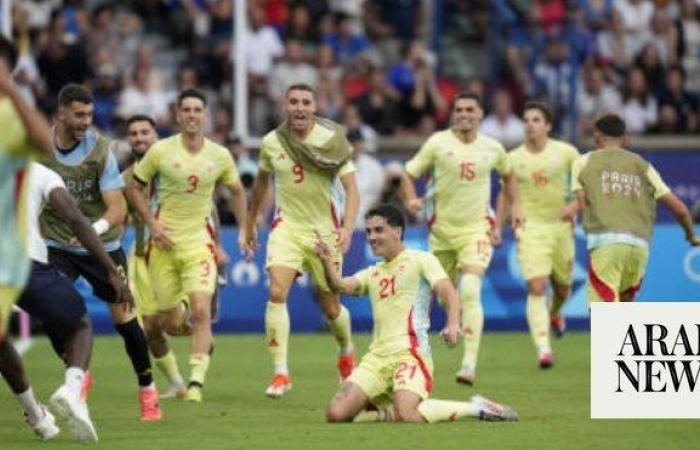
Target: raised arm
(680,211)
(37,129)
(64,205)
(339,285)
(352,203)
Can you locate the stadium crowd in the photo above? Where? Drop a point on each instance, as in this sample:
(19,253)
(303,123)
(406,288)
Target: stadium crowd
(381,68)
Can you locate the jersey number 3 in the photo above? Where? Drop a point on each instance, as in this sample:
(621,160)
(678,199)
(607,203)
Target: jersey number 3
(192,183)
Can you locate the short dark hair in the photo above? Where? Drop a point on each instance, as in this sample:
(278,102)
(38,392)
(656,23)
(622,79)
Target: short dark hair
(8,51)
(390,213)
(355,135)
(140,118)
(611,125)
(73,92)
(300,87)
(469,95)
(541,107)
(191,93)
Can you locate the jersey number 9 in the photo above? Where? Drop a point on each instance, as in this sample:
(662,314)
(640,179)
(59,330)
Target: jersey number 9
(298,171)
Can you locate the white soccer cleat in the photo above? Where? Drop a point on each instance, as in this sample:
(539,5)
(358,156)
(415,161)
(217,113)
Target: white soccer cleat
(280,385)
(493,412)
(75,411)
(45,427)
(176,390)
(466,375)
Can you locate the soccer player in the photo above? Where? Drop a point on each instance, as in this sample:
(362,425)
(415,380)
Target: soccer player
(181,254)
(85,162)
(542,168)
(307,155)
(51,298)
(617,191)
(398,366)
(141,134)
(460,160)
(25,132)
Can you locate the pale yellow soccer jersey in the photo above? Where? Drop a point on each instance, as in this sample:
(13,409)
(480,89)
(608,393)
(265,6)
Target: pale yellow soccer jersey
(660,188)
(304,198)
(461,174)
(185,183)
(400,291)
(543,179)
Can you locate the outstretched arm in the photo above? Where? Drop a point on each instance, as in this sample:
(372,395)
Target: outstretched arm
(339,285)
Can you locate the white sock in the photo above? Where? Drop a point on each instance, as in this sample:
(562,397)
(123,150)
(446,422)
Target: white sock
(30,405)
(281,369)
(148,388)
(75,376)
(178,381)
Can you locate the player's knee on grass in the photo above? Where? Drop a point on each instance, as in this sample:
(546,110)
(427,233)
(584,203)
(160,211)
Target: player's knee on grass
(336,413)
(537,286)
(406,407)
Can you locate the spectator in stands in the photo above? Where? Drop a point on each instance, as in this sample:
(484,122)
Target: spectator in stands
(684,103)
(345,42)
(400,20)
(636,20)
(369,176)
(329,98)
(300,28)
(61,61)
(552,77)
(669,122)
(263,44)
(378,107)
(614,46)
(688,27)
(141,97)
(222,124)
(664,36)
(352,121)
(649,62)
(290,70)
(502,124)
(327,65)
(597,13)
(402,75)
(595,97)
(106,94)
(419,109)
(639,109)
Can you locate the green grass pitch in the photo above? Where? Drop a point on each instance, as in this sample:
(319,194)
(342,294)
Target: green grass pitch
(553,405)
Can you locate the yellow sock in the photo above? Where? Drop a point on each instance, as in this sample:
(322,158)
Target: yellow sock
(434,410)
(167,364)
(199,364)
(342,331)
(538,319)
(472,317)
(277,334)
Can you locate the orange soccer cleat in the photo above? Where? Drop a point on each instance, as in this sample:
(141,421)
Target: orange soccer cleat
(280,385)
(150,408)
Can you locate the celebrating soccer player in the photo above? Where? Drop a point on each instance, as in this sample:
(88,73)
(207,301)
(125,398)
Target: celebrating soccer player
(85,161)
(181,253)
(617,192)
(306,154)
(399,366)
(460,161)
(542,167)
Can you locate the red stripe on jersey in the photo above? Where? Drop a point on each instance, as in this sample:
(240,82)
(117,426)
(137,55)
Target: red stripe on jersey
(210,230)
(630,293)
(19,182)
(431,221)
(415,353)
(604,291)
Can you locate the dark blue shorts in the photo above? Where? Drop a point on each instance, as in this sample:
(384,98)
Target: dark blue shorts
(51,297)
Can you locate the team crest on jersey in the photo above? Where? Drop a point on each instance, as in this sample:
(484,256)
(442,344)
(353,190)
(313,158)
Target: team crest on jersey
(281,156)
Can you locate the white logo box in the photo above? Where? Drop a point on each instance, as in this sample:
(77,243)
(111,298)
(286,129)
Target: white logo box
(652,384)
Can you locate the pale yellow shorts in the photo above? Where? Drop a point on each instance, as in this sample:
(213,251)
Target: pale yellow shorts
(294,249)
(471,249)
(182,270)
(380,376)
(615,272)
(546,249)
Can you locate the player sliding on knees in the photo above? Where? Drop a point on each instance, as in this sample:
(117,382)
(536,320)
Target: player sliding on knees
(398,366)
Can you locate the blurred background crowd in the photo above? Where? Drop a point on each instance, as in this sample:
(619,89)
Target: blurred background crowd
(380,67)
